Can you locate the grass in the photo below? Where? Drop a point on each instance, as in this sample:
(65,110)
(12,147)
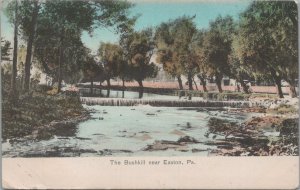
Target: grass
(283,109)
(37,109)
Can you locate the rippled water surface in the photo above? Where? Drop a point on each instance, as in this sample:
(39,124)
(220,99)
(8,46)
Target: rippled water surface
(126,131)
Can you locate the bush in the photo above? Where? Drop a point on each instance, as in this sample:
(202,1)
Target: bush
(283,109)
(42,88)
(53,91)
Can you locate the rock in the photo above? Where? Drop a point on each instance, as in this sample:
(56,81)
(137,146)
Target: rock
(143,132)
(82,138)
(221,126)
(187,139)
(198,150)
(98,134)
(165,145)
(150,114)
(289,127)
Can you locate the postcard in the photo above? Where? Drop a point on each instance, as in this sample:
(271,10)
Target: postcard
(127,94)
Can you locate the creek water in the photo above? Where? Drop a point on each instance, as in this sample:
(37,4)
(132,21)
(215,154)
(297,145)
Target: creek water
(126,131)
(129,94)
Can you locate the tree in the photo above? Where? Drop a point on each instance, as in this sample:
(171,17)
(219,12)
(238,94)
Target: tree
(92,71)
(49,53)
(27,18)
(34,10)
(15,53)
(200,57)
(56,19)
(6,69)
(268,41)
(218,47)
(239,71)
(5,47)
(111,57)
(173,40)
(139,48)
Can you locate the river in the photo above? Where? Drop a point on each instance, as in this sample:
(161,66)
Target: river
(127,131)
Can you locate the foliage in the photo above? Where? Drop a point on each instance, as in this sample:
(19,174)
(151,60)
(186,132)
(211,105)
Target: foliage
(93,71)
(283,109)
(217,45)
(173,40)
(200,55)
(139,48)
(111,56)
(5,47)
(267,40)
(33,111)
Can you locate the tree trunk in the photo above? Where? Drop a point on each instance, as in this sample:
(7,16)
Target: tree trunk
(60,60)
(123,88)
(141,90)
(245,87)
(190,81)
(238,87)
(60,70)
(92,86)
(123,84)
(292,92)
(180,82)
(108,92)
(195,84)
(15,55)
(219,83)
(279,89)
(108,83)
(29,46)
(277,80)
(203,81)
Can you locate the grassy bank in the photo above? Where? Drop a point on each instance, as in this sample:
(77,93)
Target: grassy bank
(37,111)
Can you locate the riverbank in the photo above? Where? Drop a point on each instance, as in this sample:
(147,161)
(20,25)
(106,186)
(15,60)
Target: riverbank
(40,115)
(275,133)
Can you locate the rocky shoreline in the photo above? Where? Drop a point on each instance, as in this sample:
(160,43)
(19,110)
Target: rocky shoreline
(250,138)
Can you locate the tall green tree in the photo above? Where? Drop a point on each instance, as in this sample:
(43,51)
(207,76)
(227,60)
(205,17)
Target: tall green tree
(139,48)
(27,19)
(29,31)
(239,71)
(56,19)
(218,47)
(111,56)
(173,40)
(268,41)
(200,55)
(92,71)
(15,52)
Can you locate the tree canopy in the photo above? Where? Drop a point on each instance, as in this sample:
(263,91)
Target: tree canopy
(268,41)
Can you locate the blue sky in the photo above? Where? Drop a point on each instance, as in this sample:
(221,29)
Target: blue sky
(155,12)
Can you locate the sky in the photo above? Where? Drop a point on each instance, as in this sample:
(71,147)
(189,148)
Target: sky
(153,12)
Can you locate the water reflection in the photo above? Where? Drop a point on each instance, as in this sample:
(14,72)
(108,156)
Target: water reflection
(119,94)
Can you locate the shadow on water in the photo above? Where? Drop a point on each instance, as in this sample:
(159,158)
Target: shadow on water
(108,93)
